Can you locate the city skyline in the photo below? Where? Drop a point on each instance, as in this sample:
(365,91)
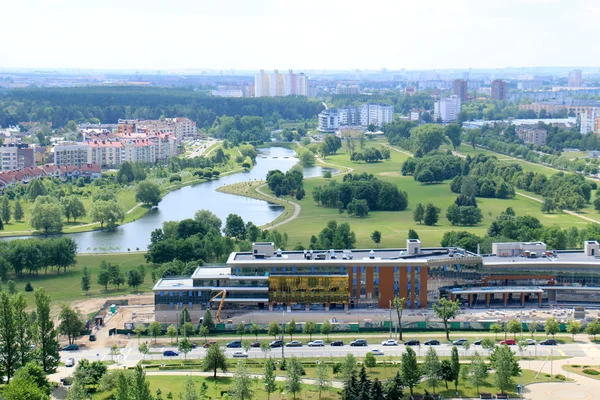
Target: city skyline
(270,34)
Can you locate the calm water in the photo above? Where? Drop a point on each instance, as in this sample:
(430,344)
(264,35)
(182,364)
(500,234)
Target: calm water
(183,203)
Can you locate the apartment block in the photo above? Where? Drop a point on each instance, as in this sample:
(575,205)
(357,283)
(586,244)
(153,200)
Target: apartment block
(376,114)
(459,88)
(532,134)
(178,127)
(590,121)
(447,109)
(574,79)
(16,156)
(347,89)
(277,84)
(330,120)
(72,153)
(499,89)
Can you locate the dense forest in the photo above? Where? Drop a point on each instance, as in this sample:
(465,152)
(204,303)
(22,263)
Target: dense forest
(108,104)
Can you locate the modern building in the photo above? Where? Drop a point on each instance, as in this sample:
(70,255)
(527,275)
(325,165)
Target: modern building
(261,84)
(590,121)
(376,114)
(265,278)
(16,156)
(499,89)
(532,134)
(276,84)
(459,88)
(574,79)
(329,121)
(349,116)
(447,109)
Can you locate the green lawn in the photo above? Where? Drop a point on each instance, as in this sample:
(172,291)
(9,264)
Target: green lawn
(394,226)
(66,288)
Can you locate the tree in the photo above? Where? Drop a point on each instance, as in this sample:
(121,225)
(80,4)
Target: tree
(89,373)
(171,332)
(412,234)
(290,328)
(241,330)
(370,361)
(265,347)
(496,329)
(234,227)
(107,212)
(293,377)
(6,210)
(514,326)
(574,327)
(455,366)
(393,389)
(478,371)
(446,373)
(148,193)
(593,328)
(399,305)
(269,378)
(154,329)
(45,333)
(77,392)
(35,188)
(26,386)
(309,328)
(274,329)
(432,369)
(488,344)
(46,215)
(85,280)
(348,368)
(242,383)
(432,214)
(445,310)
(185,346)
(144,349)
(215,359)
(204,332)
(533,327)
(427,138)
(453,132)
(72,207)
(376,237)
(8,337)
(322,380)
(103,275)
(409,369)
(23,328)
(360,208)
(551,327)
(189,390)
(134,279)
(326,328)
(505,366)
(419,213)
(207,321)
(71,323)
(18,214)
(140,387)
(116,276)
(255,330)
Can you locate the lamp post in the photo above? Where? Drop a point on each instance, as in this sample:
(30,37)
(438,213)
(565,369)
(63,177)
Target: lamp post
(177,322)
(390,319)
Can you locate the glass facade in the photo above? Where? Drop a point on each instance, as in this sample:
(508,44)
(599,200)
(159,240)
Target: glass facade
(308,289)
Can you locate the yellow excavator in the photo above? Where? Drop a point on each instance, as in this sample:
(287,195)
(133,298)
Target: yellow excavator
(223,294)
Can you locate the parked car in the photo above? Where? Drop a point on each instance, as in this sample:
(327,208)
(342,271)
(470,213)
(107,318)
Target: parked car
(293,343)
(70,347)
(376,352)
(170,353)
(509,342)
(276,343)
(70,362)
(359,342)
(459,342)
(530,342)
(316,343)
(389,342)
(432,342)
(209,343)
(548,342)
(194,345)
(413,342)
(255,344)
(240,354)
(234,344)
(92,338)
(337,343)
(478,342)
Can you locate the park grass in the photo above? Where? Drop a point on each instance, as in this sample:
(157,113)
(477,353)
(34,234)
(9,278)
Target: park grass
(66,288)
(578,369)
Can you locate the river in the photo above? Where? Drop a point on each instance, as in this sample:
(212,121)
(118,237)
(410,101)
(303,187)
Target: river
(183,203)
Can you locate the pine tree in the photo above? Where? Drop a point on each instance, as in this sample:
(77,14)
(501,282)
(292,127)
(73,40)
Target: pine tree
(85,280)
(47,349)
(18,211)
(5,210)
(208,321)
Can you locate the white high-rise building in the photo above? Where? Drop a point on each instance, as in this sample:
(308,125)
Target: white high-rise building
(261,84)
(329,121)
(589,121)
(277,84)
(376,114)
(447,108)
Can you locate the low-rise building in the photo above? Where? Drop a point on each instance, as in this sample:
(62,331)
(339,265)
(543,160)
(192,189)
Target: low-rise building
(532,134)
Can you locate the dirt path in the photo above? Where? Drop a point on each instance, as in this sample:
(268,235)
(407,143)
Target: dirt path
(294,215)
(402,151)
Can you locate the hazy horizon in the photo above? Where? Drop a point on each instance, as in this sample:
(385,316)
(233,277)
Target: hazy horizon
(313,35)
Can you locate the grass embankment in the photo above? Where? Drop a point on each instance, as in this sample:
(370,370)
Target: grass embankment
(66,288)
(591,371)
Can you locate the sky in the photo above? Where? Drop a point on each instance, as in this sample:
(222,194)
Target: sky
(171,35)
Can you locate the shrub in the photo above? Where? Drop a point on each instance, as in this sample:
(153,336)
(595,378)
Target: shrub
(560,377)
(28,287)
(590,371)
(174,178)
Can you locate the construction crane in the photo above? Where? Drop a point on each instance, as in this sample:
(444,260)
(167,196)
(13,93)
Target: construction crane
(223,294)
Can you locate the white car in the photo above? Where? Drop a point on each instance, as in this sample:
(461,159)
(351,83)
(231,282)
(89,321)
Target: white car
(389,342)
(376,352)
(240,354)
(70,362)
(530,342)
(316,343)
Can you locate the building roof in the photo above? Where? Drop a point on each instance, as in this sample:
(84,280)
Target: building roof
(495,289)
(212,273)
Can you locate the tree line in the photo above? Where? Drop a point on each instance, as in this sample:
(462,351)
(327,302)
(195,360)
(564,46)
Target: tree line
(34,255)
(286,184)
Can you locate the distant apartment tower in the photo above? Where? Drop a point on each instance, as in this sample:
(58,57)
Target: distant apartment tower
(277,84)
(459,88)
(261,84)
(349,116)
(590,121)
(376,114)
(347,89)
(447,108)
(532,134)
(574,79)
(329,121)
(16,156)
(499,89)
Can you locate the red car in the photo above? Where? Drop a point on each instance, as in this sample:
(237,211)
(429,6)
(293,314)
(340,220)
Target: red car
(509,342)
(209,343)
